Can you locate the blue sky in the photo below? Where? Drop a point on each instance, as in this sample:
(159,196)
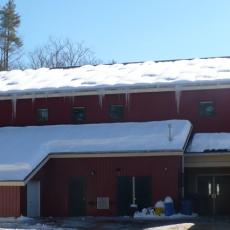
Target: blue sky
(130,30)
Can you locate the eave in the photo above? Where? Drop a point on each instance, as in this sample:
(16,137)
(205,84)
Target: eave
(110,90)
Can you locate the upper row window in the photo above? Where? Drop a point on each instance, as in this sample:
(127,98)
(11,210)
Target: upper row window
(116,112)
(78,114)
(207,109)
(42,115)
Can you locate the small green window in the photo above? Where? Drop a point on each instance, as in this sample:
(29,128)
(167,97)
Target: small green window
(116,112)
(42,115)
(207,109)
(78,114)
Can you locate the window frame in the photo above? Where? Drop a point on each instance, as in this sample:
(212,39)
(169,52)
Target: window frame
(40,116)
(74,118)
(203,106)
(120,116)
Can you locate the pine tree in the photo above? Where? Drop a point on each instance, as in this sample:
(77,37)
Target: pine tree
(9,40)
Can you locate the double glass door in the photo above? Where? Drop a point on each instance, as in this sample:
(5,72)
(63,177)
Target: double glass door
(214,194)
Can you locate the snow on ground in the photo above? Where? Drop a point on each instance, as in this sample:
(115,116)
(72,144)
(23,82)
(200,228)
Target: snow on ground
(23,148)
(88,223)
(115,223)
(207,142)
(147,74)
(177,216)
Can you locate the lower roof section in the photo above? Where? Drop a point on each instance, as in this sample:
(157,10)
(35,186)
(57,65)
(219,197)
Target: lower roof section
(209,142)
(208,150)
(23,149)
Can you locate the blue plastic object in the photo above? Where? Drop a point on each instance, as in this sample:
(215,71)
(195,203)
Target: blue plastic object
(169,209)
(186,207)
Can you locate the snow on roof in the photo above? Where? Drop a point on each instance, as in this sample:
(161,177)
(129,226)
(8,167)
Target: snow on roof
(117,76)
(209,142)
(23,148)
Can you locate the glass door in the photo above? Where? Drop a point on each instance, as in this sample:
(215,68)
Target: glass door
(213,195)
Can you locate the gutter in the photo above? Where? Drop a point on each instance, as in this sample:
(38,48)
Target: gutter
(200,154)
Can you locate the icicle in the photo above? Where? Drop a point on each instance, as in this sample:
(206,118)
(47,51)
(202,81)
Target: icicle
(100,98)
(127,99)
(14,106)
(64,99)
(33,98)
(177,98)
(72,99)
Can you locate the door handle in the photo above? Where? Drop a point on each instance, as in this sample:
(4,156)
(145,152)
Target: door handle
(217,189)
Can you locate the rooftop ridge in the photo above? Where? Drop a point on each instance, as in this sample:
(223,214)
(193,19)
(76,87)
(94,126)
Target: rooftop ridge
(137,62)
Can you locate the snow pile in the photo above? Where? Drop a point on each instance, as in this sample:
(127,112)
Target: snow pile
(117,76)
(162,210)
(151,216)
(209,142)
(23,148)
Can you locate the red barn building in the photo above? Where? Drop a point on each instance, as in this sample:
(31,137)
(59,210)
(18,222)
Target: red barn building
(63,164)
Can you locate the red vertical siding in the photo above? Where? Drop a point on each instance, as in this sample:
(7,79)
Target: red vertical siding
(10,201)
(55,175)
(139,107)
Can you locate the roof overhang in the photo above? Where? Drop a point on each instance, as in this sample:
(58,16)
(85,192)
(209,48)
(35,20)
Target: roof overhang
(111,90)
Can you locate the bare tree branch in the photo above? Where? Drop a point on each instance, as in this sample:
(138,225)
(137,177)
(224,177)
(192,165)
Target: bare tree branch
(61,53)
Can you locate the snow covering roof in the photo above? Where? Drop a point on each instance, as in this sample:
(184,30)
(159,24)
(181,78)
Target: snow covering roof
(117,76)
(209,142)
(23,148)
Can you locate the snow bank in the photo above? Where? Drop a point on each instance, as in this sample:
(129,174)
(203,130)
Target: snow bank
(207,142)
(23,148)
(148,74)
(142,216)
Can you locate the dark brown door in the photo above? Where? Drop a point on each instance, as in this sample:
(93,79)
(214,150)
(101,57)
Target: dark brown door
(77,196)
(124,194)
(133,188)
(143,191)
(214,195)
(204,189)
(222,202)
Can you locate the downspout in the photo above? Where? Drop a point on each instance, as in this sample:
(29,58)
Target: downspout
(133,191)
(182,176)
(182,163)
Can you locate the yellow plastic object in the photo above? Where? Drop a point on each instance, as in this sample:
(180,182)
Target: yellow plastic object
(158,211)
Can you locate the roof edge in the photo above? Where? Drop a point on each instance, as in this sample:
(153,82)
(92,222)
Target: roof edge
(113,90)
(12,183)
